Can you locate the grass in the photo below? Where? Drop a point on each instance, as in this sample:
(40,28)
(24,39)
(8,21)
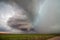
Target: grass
(26,36)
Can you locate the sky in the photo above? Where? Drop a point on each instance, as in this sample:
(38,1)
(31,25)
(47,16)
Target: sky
(47,15)
(6,11)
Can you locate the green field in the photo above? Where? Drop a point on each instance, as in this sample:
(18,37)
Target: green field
(26,36)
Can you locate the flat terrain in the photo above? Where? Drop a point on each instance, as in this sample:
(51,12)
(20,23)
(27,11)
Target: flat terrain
(27,36)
